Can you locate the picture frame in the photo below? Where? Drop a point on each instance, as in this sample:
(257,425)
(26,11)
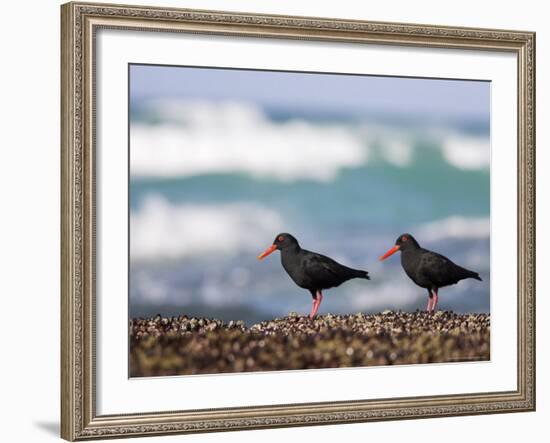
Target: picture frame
(80,23)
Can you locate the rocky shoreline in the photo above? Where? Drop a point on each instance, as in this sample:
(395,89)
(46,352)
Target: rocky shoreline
(189,345)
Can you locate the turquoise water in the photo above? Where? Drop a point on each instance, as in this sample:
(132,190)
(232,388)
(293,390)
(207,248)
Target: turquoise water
(205,200)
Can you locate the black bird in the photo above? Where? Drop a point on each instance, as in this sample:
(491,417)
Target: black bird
(310,270)
(428,269)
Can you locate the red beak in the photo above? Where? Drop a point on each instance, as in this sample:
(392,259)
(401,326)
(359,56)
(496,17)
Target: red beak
(267,252)
(390,252)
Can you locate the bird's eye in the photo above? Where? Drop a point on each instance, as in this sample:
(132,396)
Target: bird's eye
(404,238)
(280,238)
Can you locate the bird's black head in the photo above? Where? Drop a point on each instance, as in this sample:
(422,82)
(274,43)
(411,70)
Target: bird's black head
(406,241)
(282,241)
(403,243)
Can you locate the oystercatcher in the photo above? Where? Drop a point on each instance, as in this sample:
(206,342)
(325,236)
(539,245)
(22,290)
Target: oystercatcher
(310,270)
(428,269)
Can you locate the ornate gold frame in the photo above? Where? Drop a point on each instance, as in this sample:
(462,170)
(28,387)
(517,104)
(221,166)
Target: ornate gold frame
(79,21)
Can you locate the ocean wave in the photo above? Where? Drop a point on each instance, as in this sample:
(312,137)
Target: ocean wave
(198,137)
(467,152)
(395,149)
(161,230)
(455,227)
(230,138)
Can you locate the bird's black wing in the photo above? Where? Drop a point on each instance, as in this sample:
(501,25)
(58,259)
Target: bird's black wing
(440,270)
(325,271)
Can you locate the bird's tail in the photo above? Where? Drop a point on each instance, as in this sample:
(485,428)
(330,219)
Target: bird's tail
(360,274)
(472,274)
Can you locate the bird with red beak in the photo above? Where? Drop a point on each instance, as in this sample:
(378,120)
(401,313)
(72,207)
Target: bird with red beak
(428,269)
(310,270)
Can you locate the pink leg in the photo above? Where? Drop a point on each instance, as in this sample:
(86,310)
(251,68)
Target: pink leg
(313,308)
(319,300)
(436,297)
(429,306)
(316,304)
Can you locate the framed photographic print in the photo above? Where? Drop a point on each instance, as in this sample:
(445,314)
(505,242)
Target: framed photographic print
(313,221)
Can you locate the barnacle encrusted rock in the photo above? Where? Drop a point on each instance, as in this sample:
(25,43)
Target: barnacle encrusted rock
(188,345)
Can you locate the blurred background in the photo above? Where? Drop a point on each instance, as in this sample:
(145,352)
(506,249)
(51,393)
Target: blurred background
(223,160)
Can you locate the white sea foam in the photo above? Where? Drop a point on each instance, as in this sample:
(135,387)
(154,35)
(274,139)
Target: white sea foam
(398,152)
(455,227)
(159,229)
(198,137)
(227,138)
(467,152)
(157,290)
